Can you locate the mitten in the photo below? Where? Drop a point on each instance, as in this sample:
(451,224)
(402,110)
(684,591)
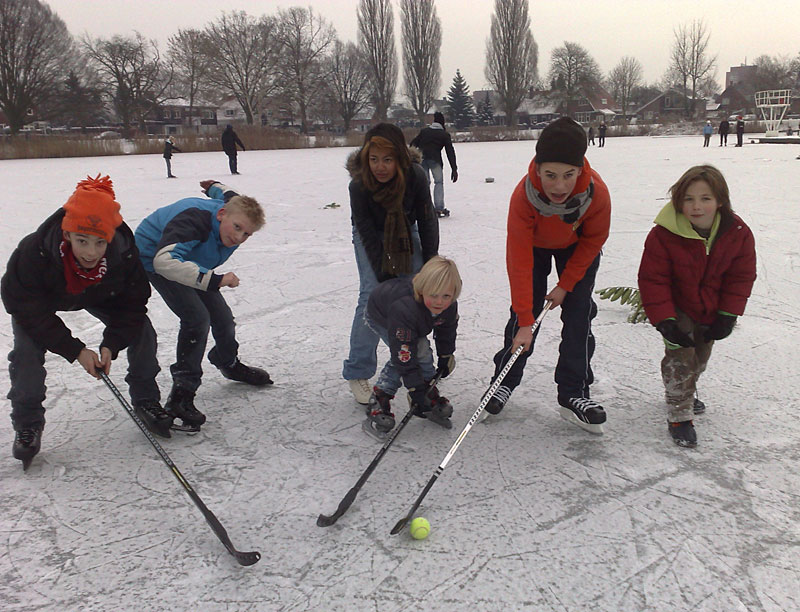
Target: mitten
(720,328)
(446,365)
(673,334)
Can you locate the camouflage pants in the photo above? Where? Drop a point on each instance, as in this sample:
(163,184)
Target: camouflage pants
(681,368)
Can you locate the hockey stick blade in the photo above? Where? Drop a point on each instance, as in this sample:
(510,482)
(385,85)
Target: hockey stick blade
(326,520)
(243,558)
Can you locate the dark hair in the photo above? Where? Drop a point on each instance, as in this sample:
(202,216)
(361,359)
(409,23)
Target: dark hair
(711,176)
(438,118)
(384,136)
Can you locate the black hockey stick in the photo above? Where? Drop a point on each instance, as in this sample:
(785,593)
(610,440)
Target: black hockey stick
(244,558)
(487,396)
(326,520)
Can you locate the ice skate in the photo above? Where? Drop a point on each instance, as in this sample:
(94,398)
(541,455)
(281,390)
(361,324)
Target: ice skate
(246,374)
(180,404)
(496,404)
(380,420)
(583,412)
(27,443)
(437,408)
(683,434)
(156,419)
(698,407)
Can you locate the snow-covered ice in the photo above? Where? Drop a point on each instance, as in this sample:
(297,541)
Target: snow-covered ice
(531,514)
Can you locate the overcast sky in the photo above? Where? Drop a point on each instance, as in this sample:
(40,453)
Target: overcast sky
(608,29)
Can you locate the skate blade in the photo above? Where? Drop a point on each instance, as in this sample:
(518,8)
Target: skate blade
(483,416)
(441,421)
(26,463)
(369,428)
(569,416)
(183,428)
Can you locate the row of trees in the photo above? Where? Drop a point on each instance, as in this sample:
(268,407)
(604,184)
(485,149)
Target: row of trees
(295,60)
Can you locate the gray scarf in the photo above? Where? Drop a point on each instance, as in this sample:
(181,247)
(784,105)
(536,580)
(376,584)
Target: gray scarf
(570,211)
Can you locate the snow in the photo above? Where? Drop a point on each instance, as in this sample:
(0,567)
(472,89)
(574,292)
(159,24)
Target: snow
(532,513)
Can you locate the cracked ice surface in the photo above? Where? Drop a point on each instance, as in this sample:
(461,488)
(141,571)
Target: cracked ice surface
(531,513)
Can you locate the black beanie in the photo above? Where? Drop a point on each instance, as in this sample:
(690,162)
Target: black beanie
(395,135)
(562,141)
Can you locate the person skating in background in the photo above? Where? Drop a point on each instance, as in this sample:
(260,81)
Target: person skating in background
(181,246)
(696,273)
(169,147)
(229,141)
(82,257)
(601,134)
(431,140)
(708,130)
(395,231)
(403,311)
(560,211)
(739,131)
(724,128)
(591,135)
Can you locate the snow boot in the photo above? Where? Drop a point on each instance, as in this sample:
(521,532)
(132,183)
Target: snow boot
(683,434)
(180,404)
(583,412)
(242,373)
(156,419)
(27,443)
(436,408)
(380,419)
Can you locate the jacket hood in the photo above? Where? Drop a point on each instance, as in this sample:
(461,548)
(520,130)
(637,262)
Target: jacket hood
(353,163)
(679,224)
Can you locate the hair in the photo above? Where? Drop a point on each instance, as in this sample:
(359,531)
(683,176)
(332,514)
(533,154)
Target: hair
(710,175)
(379,142)
(439,274)
(438,118)
(249,207)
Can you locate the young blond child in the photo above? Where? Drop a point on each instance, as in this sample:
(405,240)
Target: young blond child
(403,311)
(696,273)
(181,245)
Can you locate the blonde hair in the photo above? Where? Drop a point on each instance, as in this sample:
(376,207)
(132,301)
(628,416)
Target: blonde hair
(249,207)
(437,276)
(712,177)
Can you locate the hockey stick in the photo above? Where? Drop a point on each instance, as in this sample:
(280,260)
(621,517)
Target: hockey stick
(244,558)
(324,520)
(487,396)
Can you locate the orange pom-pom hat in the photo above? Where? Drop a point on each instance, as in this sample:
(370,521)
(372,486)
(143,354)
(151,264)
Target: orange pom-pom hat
(92,209)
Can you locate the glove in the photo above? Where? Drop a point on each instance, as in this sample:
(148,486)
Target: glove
(720,328)
(418,397)
(454,175)
(446,365)
(673,334)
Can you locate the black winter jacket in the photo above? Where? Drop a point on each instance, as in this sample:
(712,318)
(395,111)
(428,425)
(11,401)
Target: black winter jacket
(33,289)
(392,305)
(229,141)
(368,217)
(431,141)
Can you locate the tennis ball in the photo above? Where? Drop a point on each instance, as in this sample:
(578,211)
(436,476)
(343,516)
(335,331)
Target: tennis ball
(420,528)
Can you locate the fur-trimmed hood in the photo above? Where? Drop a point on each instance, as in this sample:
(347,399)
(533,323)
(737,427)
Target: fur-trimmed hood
(353,163)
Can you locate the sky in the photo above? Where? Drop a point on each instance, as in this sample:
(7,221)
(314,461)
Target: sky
(608,29)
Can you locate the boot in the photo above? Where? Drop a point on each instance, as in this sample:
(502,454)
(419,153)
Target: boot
(379,411)
(242,373)
(157,420)
(180,404)
(27,443)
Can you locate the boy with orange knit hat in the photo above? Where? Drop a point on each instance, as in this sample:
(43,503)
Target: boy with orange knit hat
(83,257)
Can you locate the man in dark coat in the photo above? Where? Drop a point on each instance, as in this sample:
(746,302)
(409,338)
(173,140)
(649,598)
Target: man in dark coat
(229,142)
(724,128)
(169,147)
(739,131)
(431,140)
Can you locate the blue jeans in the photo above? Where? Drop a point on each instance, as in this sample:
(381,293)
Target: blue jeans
(198,311)
(362,362)
(435,169)
(27,372)
(389,379)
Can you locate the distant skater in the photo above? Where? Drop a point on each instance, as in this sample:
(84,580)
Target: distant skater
(708,130)
(724,128)
(591,135)
(431,140)
(169,147)
(229,141)
(601,135)
(739,131)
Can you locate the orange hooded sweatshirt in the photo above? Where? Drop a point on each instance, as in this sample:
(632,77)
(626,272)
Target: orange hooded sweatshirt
(527,228)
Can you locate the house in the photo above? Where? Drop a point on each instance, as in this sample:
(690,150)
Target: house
(669,105)
(595,106)
(176,117)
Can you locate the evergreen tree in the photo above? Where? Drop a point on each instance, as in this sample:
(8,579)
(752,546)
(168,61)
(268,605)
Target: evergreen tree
(485,112)
(460,110)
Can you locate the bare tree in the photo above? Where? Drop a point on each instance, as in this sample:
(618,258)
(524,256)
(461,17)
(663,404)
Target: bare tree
(573,71)
(36,54)
(774,72)
(242,58)
(133,75)
(689,59)
(376,40)
(511,55)
(303,37)
(422,43)
(189,63)
(623,79)
(348,81)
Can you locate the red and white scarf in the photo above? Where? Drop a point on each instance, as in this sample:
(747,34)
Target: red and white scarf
(77,278)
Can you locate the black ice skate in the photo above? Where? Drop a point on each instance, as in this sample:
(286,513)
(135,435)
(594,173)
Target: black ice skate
(583,412)
(157,420)
(442,213)
(380,420)
(27,443)
(699,406)
(180,404)
(496,403)
(242,373)
(683,434)
(437,408)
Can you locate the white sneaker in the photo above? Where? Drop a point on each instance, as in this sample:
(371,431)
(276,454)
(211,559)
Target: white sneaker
(361,389)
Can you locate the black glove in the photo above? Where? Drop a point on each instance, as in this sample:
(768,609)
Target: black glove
(720,328)
(454,175)
(673,334)
(418,397)
(446,365)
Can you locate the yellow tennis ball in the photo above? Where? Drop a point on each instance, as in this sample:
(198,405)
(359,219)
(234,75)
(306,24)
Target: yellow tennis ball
(420,528)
